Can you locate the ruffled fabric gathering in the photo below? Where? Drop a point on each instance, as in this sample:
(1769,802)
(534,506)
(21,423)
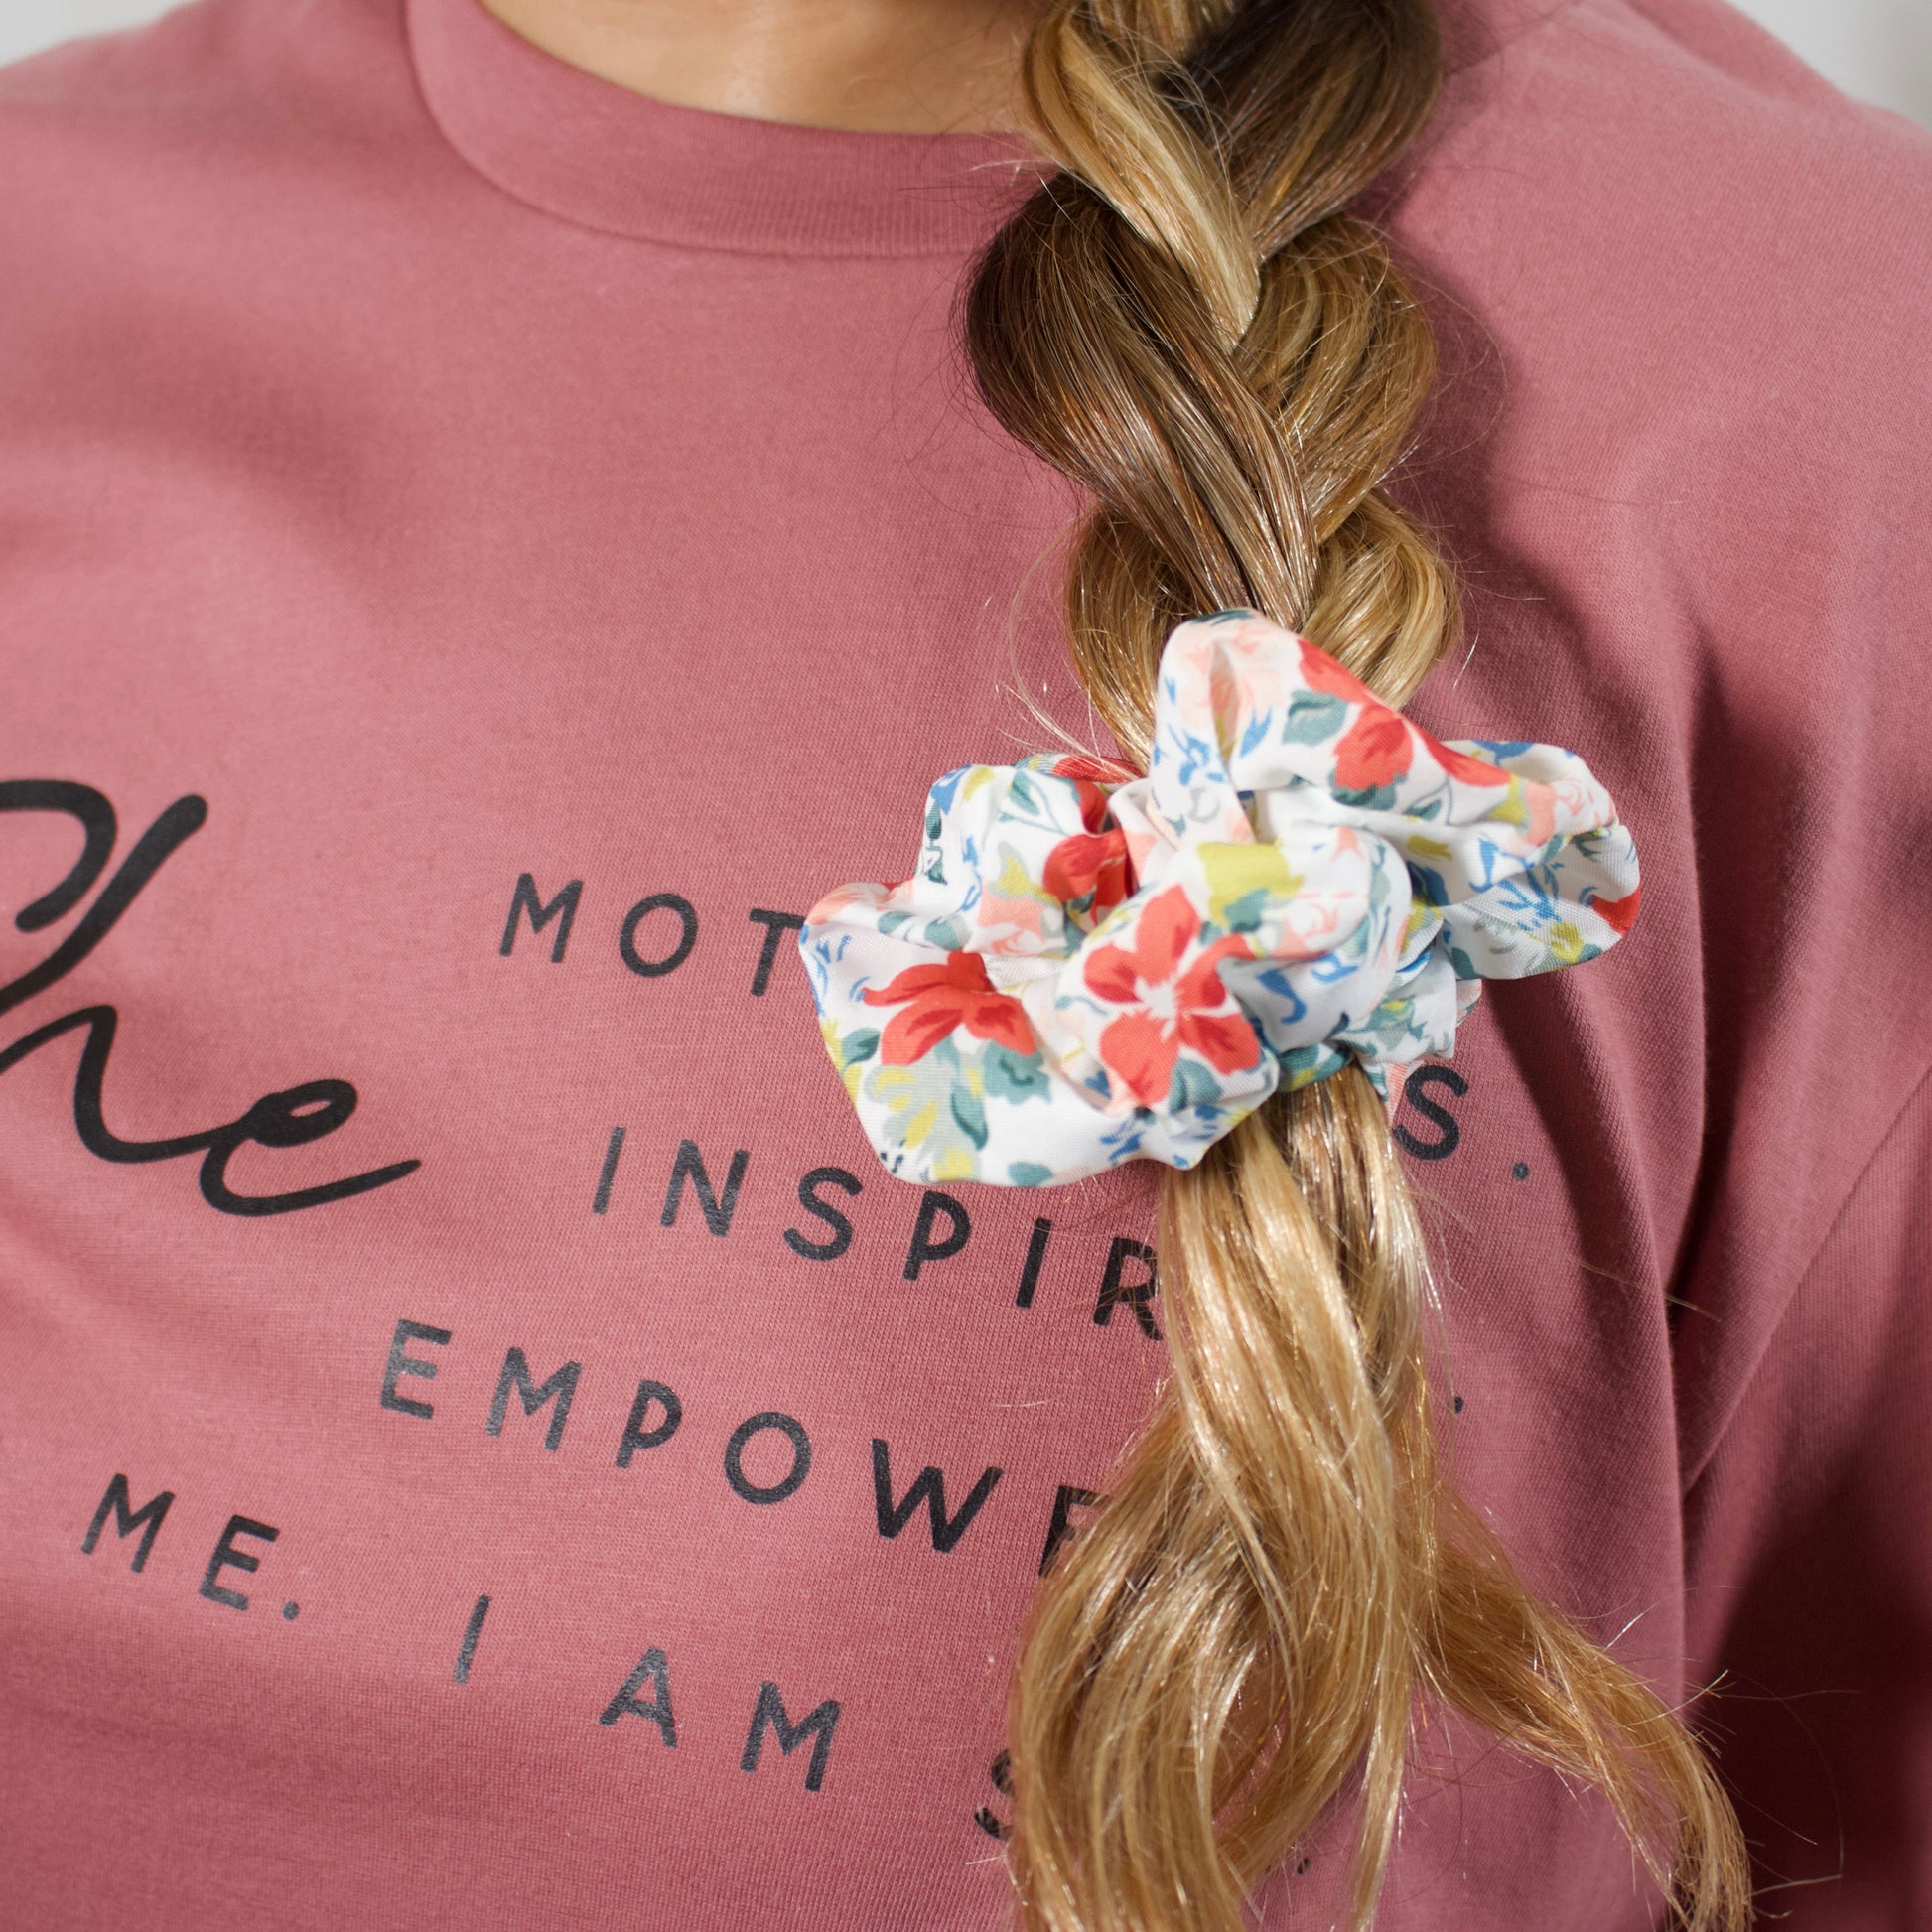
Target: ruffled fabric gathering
(1090,967)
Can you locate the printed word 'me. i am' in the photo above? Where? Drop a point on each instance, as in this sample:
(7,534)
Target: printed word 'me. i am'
(770,1718)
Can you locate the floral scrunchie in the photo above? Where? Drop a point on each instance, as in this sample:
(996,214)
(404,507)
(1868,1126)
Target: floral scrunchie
(1090,967)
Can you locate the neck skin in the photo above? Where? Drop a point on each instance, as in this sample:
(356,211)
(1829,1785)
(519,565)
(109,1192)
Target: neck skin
(875,67)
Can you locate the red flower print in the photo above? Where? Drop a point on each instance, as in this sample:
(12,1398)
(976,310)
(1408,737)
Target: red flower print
(1321,672)
(1095,771)
(1140,1048)
(1620,914)
(1471,770)
(940,998)
(1094,863)
(1374,750)
(1377,747)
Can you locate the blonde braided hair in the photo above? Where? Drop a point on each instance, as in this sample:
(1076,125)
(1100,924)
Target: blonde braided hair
(1187,321)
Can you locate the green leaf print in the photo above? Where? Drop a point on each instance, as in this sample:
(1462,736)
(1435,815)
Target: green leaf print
(1312,716)
(1193,1085)
(969,1111)
(949,934)
(1013,1076)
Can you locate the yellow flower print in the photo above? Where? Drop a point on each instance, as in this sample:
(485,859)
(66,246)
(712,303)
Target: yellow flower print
(1236,873)
(1565,941)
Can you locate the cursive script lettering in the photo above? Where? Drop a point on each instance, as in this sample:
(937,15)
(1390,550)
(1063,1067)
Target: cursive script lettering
(277,1120)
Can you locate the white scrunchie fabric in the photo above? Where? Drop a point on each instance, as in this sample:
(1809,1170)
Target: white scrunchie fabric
(1090,967)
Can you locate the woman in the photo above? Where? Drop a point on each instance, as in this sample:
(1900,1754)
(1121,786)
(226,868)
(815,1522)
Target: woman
(501,524)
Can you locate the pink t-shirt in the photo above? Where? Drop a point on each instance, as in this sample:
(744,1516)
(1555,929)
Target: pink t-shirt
(483,1443)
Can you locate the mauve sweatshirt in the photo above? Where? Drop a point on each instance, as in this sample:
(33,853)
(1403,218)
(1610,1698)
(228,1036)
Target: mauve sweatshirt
(483,1444)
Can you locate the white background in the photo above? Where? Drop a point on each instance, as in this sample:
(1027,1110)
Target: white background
(1877,50)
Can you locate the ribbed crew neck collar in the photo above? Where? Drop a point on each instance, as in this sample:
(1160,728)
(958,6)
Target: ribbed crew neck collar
(586,151)
(599,155)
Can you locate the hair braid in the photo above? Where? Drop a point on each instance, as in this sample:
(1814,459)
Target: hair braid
(1188,323)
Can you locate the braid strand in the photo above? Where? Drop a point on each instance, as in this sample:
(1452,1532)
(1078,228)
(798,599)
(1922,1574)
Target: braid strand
(1189,321)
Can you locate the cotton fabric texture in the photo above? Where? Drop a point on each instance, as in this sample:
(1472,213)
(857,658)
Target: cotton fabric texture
(455,473)
(1088,968)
